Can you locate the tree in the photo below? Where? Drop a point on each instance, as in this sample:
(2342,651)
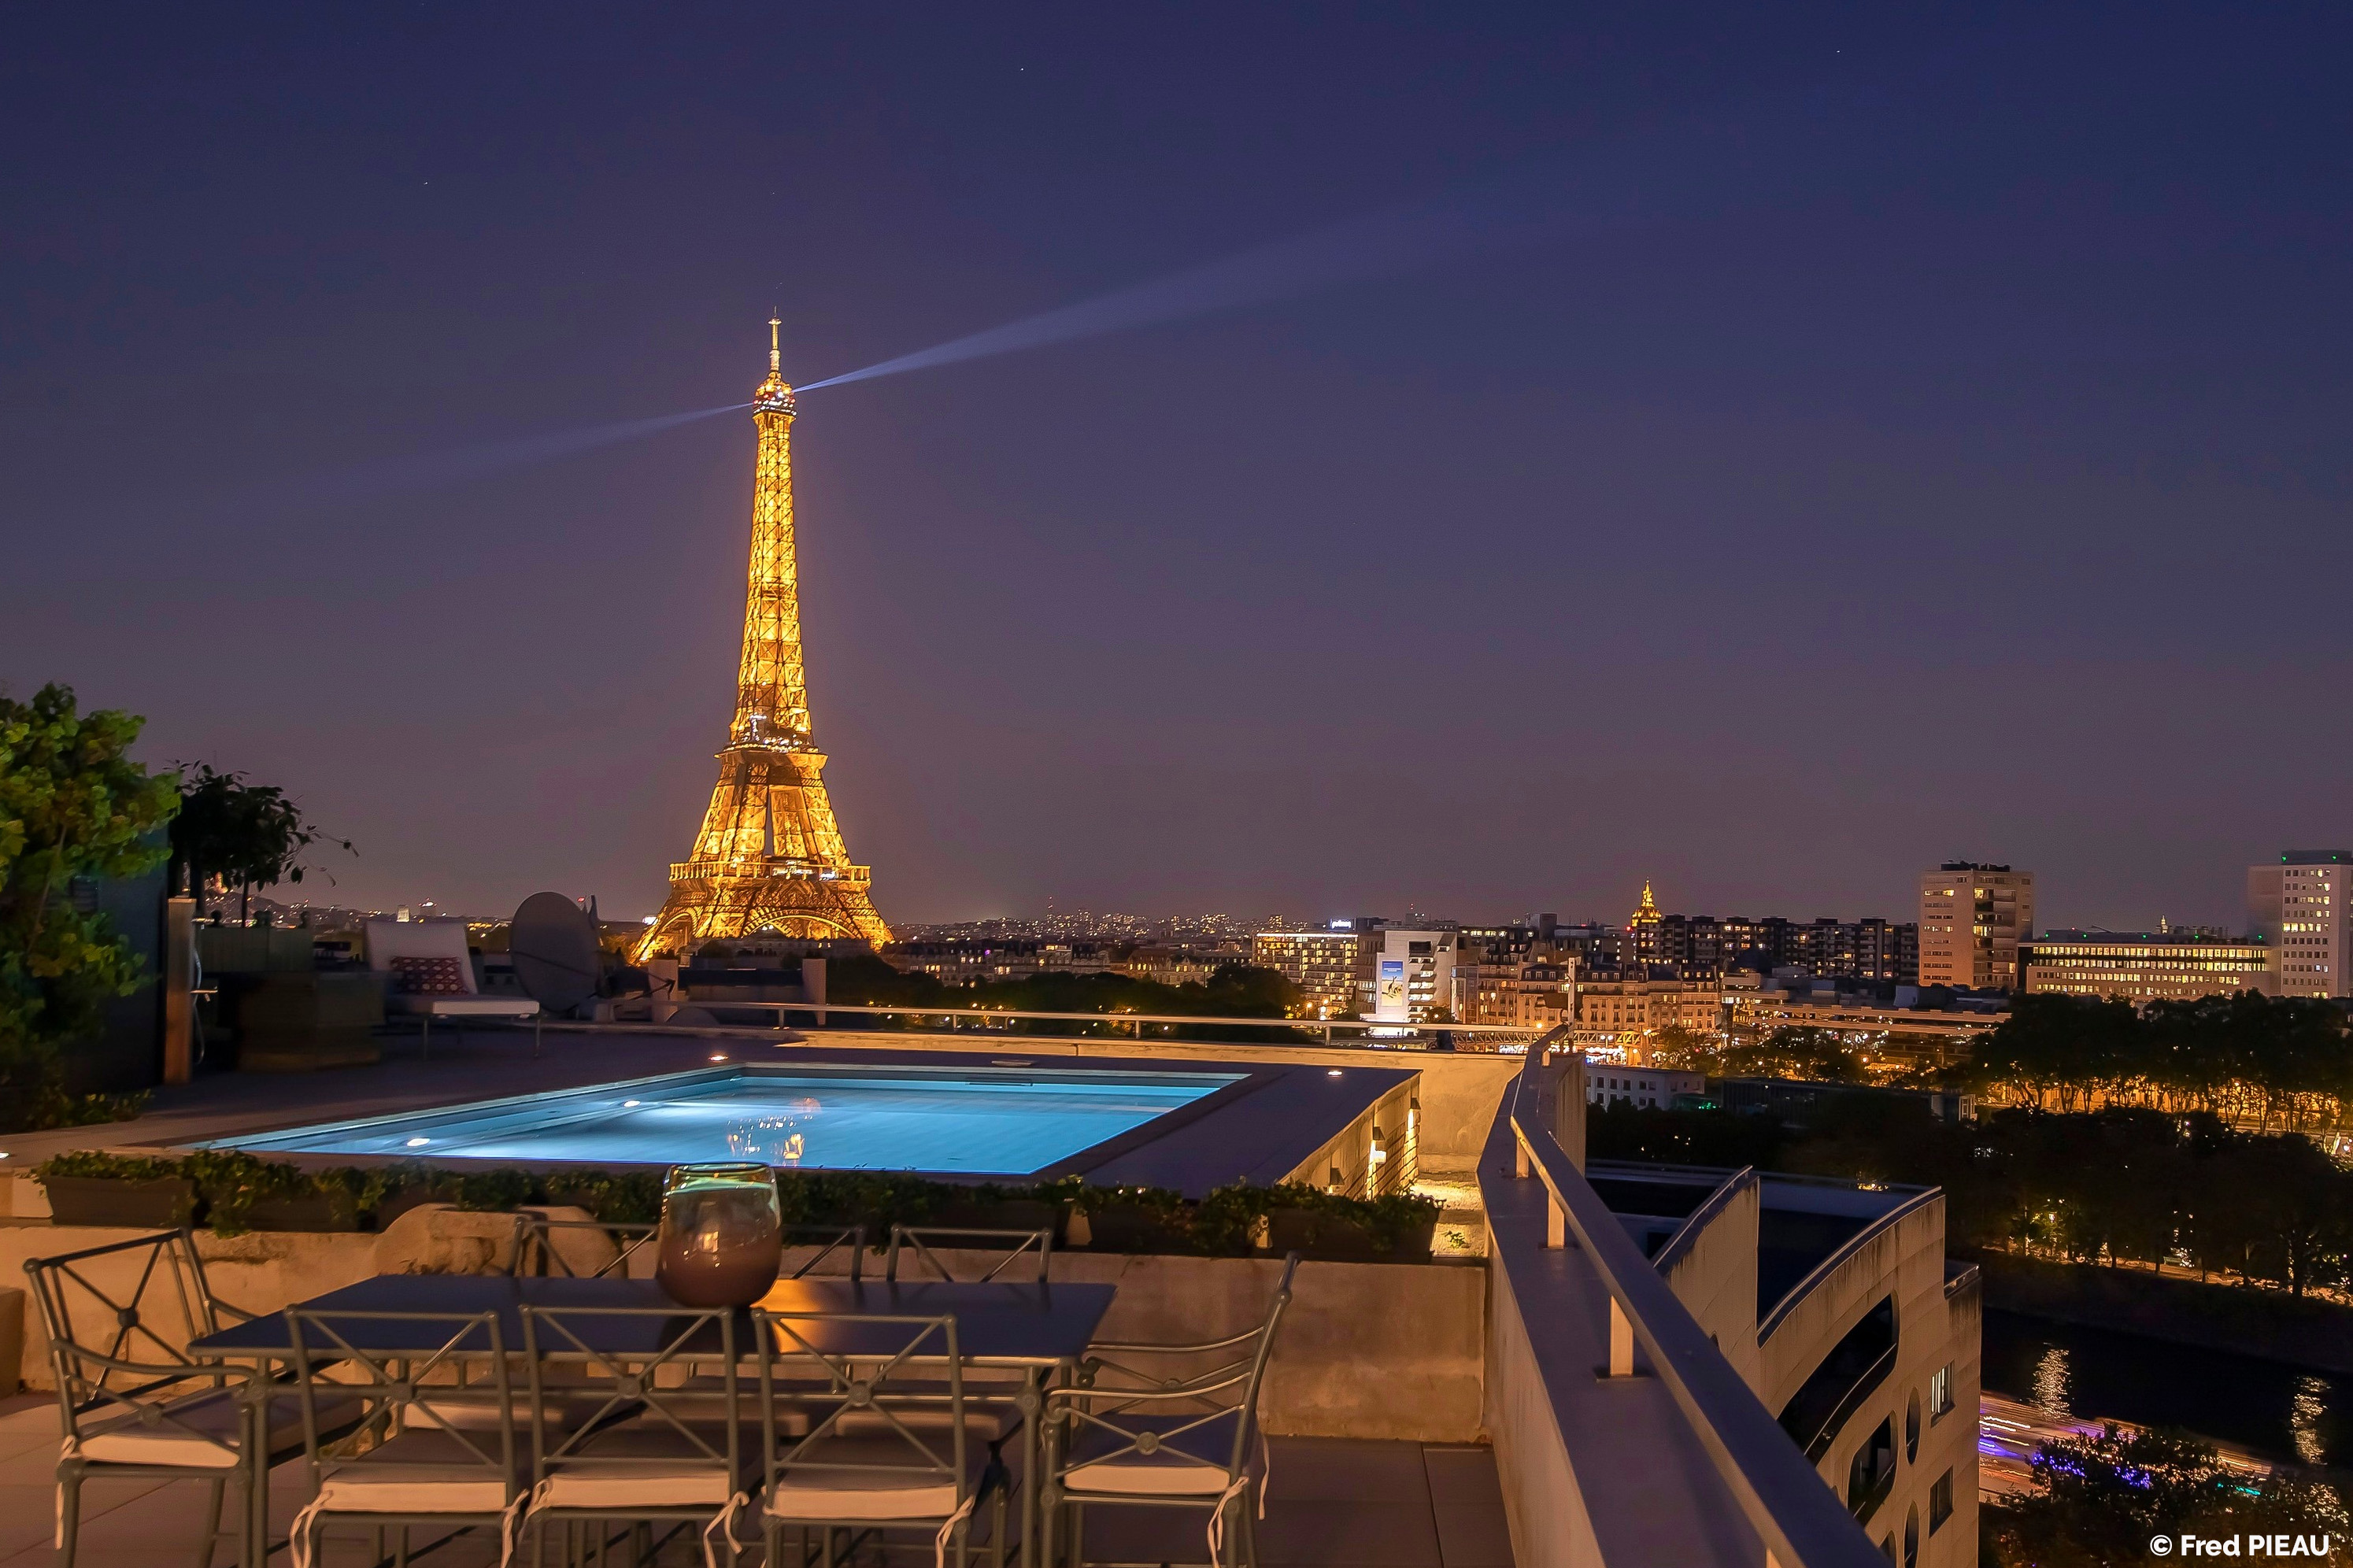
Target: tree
(72,805)
(2104,1496)
(249,835)
(1812,1056)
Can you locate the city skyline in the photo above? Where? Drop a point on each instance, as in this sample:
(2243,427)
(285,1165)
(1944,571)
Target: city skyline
(1766,455)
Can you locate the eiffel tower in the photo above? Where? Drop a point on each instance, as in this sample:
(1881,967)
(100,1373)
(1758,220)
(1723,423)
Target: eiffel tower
(769,858)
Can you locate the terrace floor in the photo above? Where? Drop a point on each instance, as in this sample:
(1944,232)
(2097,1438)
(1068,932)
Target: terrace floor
(1332,1503)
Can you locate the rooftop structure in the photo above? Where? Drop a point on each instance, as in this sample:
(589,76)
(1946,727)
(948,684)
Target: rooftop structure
(1649,1364)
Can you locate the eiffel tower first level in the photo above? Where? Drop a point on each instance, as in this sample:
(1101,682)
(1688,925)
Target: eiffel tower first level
(769,858)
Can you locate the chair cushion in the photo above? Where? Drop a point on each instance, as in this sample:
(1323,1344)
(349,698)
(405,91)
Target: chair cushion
(193,1430)
(417,1472)
(1188,1463)
(415,975)
(644,1467)
(894,1488)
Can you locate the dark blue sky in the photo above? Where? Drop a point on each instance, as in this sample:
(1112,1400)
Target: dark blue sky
(1764,452)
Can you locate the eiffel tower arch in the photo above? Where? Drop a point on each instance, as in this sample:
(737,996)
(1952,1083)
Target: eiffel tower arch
(769,855)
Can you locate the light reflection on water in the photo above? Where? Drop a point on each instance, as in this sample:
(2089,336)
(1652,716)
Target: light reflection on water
(2306,1409)
(2285,1413)
(2051,1380)
(779,1137)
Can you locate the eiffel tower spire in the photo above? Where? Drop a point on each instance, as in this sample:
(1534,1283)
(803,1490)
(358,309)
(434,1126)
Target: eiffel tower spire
(769,858)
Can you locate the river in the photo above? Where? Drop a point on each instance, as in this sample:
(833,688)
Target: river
(2277,1412)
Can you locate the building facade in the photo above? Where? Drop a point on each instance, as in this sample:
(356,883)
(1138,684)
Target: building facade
(1630,1009)
(1533,993)
(1322,964)
(2147,966)
(1973,918)
(1412,976)
(2299,907)
(1607,1083)
(1870,949)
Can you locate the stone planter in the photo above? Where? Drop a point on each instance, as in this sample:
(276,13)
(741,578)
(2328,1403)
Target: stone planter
(159,1204)
(309,1021)
(1011,1214)
(1312,1233)
(1132,1228)
(313,1212)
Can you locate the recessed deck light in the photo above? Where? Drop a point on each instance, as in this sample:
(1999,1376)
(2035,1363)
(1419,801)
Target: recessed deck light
(1332,1072)
(418,1142)
(627,1103)
(719,1058)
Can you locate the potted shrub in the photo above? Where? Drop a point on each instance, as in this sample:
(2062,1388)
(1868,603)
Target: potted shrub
(129,1191)
(1137,1219)
(1397,1229)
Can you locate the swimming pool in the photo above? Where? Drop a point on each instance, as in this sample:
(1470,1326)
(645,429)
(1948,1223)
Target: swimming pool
(979,1121)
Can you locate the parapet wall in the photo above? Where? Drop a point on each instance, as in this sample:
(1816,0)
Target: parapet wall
(1368,1350)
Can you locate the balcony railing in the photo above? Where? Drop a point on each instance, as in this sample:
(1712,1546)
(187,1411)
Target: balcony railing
(1502,1038)
(1783,1500)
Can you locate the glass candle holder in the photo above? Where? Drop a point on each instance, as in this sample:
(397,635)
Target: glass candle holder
(722,1235)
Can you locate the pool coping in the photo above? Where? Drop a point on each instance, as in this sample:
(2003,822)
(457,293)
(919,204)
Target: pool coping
(1261,1128)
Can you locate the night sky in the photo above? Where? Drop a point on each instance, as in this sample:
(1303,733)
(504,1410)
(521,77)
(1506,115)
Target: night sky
(1766,453)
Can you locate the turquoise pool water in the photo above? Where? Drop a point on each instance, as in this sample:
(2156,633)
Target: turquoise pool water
(989,1120)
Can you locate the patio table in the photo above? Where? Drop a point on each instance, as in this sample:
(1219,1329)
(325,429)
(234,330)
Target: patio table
(1037,1328)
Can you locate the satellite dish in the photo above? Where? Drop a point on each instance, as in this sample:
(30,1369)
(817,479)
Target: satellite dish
(557,956)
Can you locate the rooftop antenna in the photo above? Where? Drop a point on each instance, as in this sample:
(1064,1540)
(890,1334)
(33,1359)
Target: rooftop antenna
(775,353)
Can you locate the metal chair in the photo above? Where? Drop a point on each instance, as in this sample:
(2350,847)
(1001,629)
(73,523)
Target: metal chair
(885,1447)
(915,1243)
(130,1403)
(1164,1425)
(666,1445)
(437,1458)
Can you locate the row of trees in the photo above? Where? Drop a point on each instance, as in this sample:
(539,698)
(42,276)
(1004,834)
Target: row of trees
(2123,1184)
(1234,991)
(2272,1061)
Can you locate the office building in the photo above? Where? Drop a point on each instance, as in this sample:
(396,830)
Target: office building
(2299,906)
(2147,966)
(1972,919)
(1322,964)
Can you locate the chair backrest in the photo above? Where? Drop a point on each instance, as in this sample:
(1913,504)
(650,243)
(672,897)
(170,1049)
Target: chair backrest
(876,1369)
(119,1319)
(411,1371)
(637,1361)
(831,1240)
(539,1256)
(1021,1254)
(1211,1382)
(388,940)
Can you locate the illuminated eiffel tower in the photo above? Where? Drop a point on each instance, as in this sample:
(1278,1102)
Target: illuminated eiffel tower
(769,858)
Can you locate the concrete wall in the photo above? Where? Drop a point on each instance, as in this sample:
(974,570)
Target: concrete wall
(1904,1258)
(1714,1276)
(1366,1350)
(1460,1089)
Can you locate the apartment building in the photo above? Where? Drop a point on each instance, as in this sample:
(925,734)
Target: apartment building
(2299,905)
(1973,917)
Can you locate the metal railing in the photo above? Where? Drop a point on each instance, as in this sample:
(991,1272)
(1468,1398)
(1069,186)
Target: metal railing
(1783,1498)
(1405,1035)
